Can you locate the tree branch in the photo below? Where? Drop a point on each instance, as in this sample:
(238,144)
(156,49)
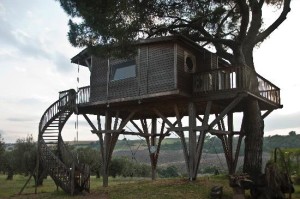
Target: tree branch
(256,21)
(220,25)
(244,10)
(286,9)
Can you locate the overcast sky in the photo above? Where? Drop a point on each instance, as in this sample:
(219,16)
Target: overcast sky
(35,65)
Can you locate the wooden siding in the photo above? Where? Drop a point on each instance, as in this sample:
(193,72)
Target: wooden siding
(154,74)
(160,68)
(144,67)
(98,79)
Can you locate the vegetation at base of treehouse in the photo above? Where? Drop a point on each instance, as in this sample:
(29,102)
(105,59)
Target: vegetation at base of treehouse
(126,164)
(121,188)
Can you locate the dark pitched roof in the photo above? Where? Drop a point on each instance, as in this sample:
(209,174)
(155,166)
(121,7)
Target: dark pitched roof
(80,57)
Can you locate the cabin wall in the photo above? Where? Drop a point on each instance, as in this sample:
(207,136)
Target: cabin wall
(205,61)
(123,87)
(104,89)
(98,79)
(158,69)
(184,79)
(154,74)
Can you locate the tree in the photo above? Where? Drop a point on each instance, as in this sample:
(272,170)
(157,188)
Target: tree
(2,150)
(91,157)
(169,172)
(2,145)
(8,164)
(232,27)
(292,133)
(25,155)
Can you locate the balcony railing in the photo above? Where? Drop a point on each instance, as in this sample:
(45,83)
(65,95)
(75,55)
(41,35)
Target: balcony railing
(235,78)
(225,79)
(83,95)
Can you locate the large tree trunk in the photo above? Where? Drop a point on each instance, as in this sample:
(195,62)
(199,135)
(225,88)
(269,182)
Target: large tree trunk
(10,174)
(97,174)
(105,178)
(253,125)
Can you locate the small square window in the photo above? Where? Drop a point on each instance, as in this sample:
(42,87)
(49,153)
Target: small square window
(123,71)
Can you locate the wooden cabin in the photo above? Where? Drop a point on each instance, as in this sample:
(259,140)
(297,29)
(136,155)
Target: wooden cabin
(172,67)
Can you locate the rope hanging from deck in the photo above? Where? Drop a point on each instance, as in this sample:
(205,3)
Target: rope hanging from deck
(76,122)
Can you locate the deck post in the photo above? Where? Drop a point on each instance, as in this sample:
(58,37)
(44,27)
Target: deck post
(192,141)
(153,153)
(107,142)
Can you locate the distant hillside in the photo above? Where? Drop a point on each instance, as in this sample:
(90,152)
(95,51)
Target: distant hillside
(171,151)
(212,144)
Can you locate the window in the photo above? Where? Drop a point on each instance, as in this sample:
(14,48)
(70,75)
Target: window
(123,71)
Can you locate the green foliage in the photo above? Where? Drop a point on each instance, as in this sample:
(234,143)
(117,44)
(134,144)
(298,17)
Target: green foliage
(124,167)
(281,141)
(90,156)
(2,145)
(2,150)
(8,164)
(21,159)
(223,24)
(211,170)
(25,155)
(292,133)
(169,172)
(172,146)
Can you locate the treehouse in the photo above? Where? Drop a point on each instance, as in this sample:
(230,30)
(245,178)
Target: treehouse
(168,77)
(163,70)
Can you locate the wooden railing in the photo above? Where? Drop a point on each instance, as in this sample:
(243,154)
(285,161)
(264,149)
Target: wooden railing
(83,95)
(66,100)
(235,78)
(268,90)
(57,169)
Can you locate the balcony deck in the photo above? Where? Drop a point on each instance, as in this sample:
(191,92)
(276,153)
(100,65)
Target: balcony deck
(229,81)
(220,85)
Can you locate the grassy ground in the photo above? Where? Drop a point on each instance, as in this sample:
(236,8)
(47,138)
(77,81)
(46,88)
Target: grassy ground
(123,188)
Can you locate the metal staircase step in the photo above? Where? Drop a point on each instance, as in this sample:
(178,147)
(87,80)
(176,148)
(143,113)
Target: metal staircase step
(51,133)
(50,136)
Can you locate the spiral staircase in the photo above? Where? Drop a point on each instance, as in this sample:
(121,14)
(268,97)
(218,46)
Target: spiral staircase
(54,156)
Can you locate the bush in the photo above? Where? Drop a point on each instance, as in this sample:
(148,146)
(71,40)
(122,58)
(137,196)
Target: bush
(169,172)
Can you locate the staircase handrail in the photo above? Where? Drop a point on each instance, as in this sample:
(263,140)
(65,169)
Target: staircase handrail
(63,170)
(53,109)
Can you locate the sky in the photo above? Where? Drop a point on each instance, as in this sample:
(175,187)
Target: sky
(35,65)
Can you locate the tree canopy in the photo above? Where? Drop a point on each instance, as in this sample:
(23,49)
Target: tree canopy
(232,27)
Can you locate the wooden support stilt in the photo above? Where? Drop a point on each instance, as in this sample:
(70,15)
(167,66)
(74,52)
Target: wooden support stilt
(108,137)
(107,143)
(266,113)
(182,139)
(226,137)
(153,146)
(192,141)
(226,110)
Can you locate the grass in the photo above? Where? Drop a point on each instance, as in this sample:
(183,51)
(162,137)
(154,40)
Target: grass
(123,188)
